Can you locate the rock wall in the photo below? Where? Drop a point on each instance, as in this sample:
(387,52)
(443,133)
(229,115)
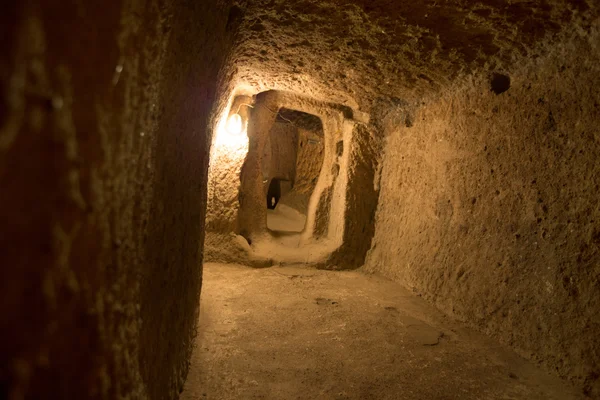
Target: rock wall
(308,168)
(354,51)
(309,162)
(489,206)
(103,160)
(361,199)
(283,151)
(226,159)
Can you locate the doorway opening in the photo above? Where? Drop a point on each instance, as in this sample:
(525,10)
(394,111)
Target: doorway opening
(294,150)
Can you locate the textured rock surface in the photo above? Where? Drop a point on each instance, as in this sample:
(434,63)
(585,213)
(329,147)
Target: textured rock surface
(355,51)
(308,167)
(283,150)
(103,157)
(344,335)
(489,207)
(361,201)
(310,160)
(226,158)
(499,74)
(246,176)
(488,186)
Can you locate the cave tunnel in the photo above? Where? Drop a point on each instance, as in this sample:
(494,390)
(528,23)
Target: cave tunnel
(299,199)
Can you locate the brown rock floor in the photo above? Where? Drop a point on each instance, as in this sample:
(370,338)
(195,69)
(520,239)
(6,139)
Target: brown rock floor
(300,333)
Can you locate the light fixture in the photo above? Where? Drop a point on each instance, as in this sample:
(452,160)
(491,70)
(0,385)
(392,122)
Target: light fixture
(235,125)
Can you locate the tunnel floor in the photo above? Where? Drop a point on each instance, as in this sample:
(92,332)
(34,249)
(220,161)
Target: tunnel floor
(285,219)
(300,333)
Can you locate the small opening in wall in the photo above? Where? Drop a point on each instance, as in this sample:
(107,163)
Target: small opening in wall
(274,193)
(500,83)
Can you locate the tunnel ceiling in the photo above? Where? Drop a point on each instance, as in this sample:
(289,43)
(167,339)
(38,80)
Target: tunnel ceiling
(359,50)
(300,119)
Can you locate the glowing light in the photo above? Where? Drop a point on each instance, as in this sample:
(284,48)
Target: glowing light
(231,135)
(235,125)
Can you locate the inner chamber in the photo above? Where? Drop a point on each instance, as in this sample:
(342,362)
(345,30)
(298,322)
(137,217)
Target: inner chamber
(293,157)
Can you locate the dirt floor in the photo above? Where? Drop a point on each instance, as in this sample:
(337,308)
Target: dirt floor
(285,219)
(301,333)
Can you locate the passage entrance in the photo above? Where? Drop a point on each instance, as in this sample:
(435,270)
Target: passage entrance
(294,157)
